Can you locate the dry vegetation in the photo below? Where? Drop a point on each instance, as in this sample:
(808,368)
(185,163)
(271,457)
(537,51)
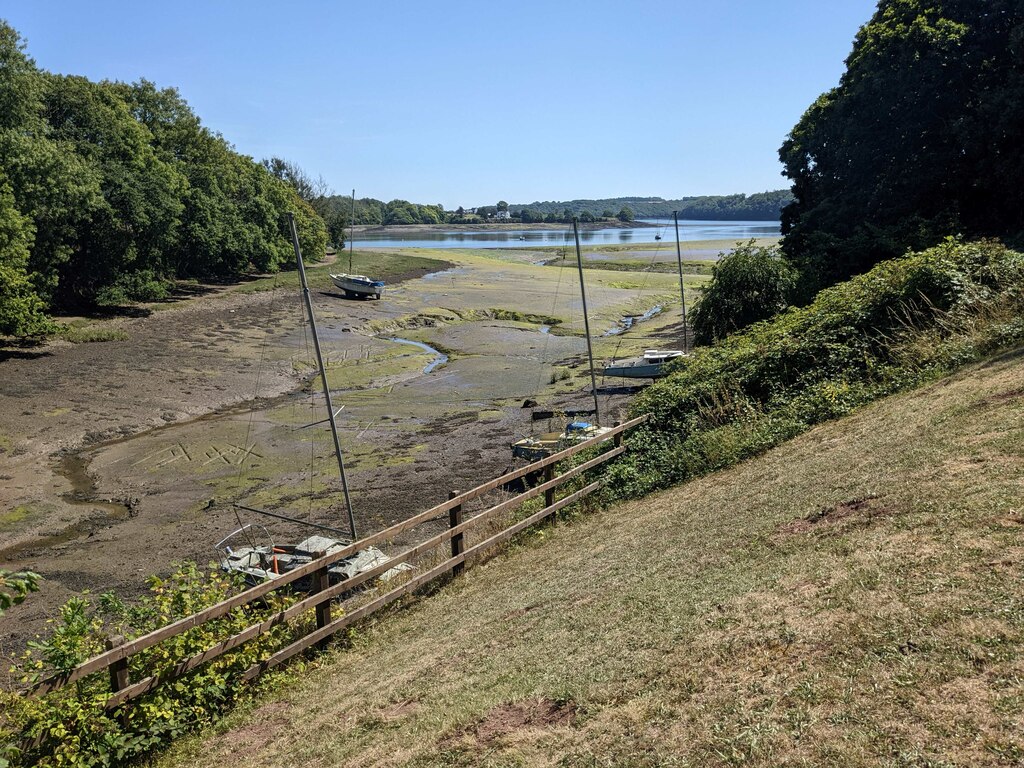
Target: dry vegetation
(852,597)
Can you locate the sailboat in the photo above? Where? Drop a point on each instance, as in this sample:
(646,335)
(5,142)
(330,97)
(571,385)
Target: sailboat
(537,447)
(261,560)
(653,363)
(359,286)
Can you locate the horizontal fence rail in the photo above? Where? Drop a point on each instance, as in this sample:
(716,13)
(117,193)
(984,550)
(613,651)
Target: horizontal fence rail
(115,659)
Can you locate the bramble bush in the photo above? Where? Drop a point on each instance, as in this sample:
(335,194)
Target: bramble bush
(70,727)
(906,321)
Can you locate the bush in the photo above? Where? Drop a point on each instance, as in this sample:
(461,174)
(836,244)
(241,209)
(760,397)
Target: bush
(71,727)
(750,284)
(905,321)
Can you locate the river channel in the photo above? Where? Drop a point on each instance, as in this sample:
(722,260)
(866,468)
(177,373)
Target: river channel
(650,231)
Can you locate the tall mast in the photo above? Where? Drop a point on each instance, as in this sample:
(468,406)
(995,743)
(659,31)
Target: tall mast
(323,374)
(682,292)
(586,321)
(351,230)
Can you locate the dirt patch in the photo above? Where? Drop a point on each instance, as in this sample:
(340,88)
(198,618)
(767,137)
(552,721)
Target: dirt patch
(263,727)
(506,719)
(862,511)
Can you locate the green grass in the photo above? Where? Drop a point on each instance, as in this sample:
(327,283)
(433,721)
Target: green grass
(81,331)
(851,597)
(378,265)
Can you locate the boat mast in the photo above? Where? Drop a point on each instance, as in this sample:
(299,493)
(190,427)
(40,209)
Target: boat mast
(323,374)
(586,321)
(351,230)
(682,292)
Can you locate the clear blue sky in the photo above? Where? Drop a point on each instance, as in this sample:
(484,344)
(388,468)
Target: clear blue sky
(468,103)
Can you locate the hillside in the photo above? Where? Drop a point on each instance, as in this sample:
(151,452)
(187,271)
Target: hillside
(852,596)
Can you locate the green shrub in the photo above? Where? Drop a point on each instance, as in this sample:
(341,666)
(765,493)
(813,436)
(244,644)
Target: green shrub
(905,321)
(750,284)
(71,727)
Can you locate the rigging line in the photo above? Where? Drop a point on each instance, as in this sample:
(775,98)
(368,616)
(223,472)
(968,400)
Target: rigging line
(255,395)
(643,288)
(312,416)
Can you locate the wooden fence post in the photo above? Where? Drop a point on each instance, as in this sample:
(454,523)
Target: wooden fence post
(549,494)
(118,669)
(458,540)
(321,581)
(618,437)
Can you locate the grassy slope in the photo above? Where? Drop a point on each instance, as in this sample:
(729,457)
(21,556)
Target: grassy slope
(726,621)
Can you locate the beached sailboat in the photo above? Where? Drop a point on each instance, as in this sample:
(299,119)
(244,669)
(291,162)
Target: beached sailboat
(537,447)
(359,286)
(654,362)
(261,559)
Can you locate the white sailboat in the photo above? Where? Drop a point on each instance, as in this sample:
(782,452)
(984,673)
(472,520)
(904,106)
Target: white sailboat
(261,560)
(653,363)
(537,447)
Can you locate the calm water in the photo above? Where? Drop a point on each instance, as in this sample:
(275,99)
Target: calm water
(688,231)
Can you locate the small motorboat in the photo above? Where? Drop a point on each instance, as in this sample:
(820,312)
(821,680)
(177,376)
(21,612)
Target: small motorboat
(650,366)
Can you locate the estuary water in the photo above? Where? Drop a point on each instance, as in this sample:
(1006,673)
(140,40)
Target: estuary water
(658,230)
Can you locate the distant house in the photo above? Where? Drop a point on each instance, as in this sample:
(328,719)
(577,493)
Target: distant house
(502,215)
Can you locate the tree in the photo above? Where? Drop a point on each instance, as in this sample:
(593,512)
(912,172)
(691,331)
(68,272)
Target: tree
(587,217)
(502,206)
(750,284)
(626,214)
(607,213)
(919,140)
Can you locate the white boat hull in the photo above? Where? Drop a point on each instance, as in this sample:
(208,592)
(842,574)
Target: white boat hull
(358,285)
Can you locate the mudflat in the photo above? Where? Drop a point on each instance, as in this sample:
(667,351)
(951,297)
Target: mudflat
(119,458)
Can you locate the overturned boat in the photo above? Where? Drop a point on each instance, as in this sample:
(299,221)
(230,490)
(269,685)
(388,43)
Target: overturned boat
(360,286)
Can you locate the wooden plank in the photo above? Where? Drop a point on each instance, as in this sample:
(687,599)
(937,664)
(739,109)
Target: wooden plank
(341,623)
(104,660)
(313,601)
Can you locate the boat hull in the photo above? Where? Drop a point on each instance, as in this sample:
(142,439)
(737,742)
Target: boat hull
(636,370)
(364,288)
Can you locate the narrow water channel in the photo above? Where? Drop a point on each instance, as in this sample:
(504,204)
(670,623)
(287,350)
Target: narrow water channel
(440,358)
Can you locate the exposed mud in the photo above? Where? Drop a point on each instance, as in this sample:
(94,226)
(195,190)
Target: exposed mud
(120,458)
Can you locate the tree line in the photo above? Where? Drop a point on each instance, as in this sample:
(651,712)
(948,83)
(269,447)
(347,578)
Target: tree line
(920,139)
(109,192)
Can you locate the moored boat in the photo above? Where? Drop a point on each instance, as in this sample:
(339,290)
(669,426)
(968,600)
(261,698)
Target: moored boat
(650,366)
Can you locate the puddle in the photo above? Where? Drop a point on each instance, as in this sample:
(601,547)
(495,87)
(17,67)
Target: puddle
(439,357)
(444,273)
(630,320)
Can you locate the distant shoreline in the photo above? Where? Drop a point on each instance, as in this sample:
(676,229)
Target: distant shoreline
(493,227)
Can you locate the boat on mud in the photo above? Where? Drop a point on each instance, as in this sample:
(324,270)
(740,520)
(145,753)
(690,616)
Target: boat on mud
(536,447)
(651,366)
(260,561)
(360,286)
(654,361)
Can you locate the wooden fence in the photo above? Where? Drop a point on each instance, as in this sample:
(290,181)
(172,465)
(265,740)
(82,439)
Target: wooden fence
(115,658)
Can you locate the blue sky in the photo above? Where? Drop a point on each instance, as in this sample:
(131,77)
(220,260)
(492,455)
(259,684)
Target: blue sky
(467,103)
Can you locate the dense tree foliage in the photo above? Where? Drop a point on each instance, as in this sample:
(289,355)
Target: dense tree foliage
(920,139)
(110,191)
(748,285)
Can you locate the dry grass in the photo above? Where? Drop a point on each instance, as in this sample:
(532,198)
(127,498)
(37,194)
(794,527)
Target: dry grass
(853,597)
